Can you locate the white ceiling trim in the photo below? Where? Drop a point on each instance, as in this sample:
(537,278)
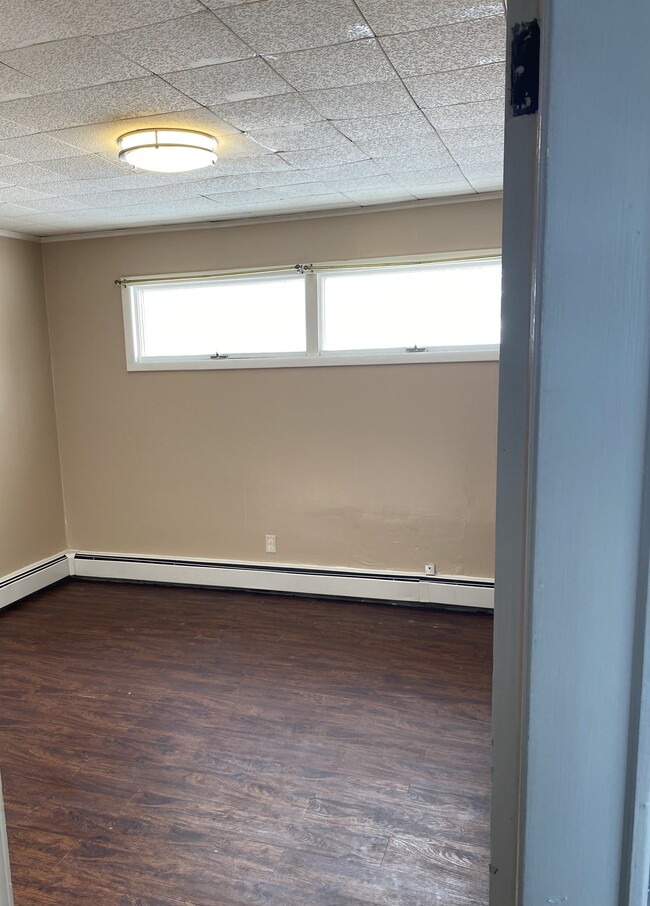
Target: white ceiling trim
(275,218)
(8,234)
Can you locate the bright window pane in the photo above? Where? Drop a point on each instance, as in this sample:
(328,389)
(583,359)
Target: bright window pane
(228,317)
(396,308)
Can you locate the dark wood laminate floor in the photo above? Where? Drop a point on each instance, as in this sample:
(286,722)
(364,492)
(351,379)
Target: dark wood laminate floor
(167,746)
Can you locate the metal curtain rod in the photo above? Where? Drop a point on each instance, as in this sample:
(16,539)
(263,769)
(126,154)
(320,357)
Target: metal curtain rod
(297,268)
(184,278)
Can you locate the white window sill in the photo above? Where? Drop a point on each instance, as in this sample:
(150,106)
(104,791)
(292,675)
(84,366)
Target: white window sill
(473,354)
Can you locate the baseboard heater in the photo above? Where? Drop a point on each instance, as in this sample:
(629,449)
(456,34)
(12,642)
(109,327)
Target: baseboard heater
(33,578)
(286,579)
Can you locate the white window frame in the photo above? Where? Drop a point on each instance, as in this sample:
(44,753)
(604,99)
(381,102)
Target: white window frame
(131,286)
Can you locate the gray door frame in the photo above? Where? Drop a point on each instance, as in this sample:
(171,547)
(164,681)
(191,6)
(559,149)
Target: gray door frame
(571,781)
(6,897)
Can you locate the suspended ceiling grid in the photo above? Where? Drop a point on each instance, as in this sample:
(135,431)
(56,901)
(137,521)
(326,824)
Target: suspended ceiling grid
(316,105)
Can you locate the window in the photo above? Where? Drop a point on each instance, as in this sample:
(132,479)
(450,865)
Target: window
(234,317)
(316,315)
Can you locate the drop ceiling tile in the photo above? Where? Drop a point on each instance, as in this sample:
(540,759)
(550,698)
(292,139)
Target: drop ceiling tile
(301,137)
(417,179)
(15,85)
(73,63)
(33,224)
(21,196)
(266,196)
(211,184)
(486,184)
(101,103)
(235,166)
(288,177)
(402,126)
(30,22)
(480,162)
(483,166)
(368,184)
(415,158)
(24,175)
(12,130)
(459,86)
(58,205)
(359,170)
(324,157)
(15,210)
(485,138)
(461,116)
(160,195)
(455,186)
(393,149)
(118,202)
(217,185)
(37,147)
(334,67)
(101,138)
(87,166)
(314,203)
(283,25)
(465,44)
(240,145)
(374,99)
(389,17)
(229,82)
(263,113)
(101,17)
(220,4)
(442,190)
(6,160)
(385,196)
(197,40)
(72,188)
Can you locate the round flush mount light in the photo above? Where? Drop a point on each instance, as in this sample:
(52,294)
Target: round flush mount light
(168,150)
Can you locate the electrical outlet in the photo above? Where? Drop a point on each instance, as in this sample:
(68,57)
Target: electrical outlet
(430,569)
(270,544)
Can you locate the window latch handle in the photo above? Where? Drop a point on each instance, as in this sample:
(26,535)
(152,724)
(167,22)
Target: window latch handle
(217,356)
(416,348)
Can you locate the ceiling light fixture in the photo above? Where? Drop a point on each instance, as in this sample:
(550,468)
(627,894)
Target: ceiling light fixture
(168,150)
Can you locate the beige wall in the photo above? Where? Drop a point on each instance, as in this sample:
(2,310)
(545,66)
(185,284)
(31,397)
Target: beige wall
(378,466)
(31,507)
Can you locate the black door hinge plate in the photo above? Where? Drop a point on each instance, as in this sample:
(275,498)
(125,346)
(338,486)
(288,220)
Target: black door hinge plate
(524,68)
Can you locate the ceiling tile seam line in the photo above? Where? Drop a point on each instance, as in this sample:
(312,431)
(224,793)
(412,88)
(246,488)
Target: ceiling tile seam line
(267,58)
(417,31)
(410,94)
(453,157)
(291,90)
(260,220)
(34,78)
(253,52)
(395,70)
(92,34)
(86,88)
(44,94)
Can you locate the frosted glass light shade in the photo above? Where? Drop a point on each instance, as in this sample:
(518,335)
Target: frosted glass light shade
(168,150)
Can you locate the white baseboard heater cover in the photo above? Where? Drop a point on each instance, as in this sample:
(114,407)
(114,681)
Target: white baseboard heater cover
(393,587)
(33,578)
(397,588)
